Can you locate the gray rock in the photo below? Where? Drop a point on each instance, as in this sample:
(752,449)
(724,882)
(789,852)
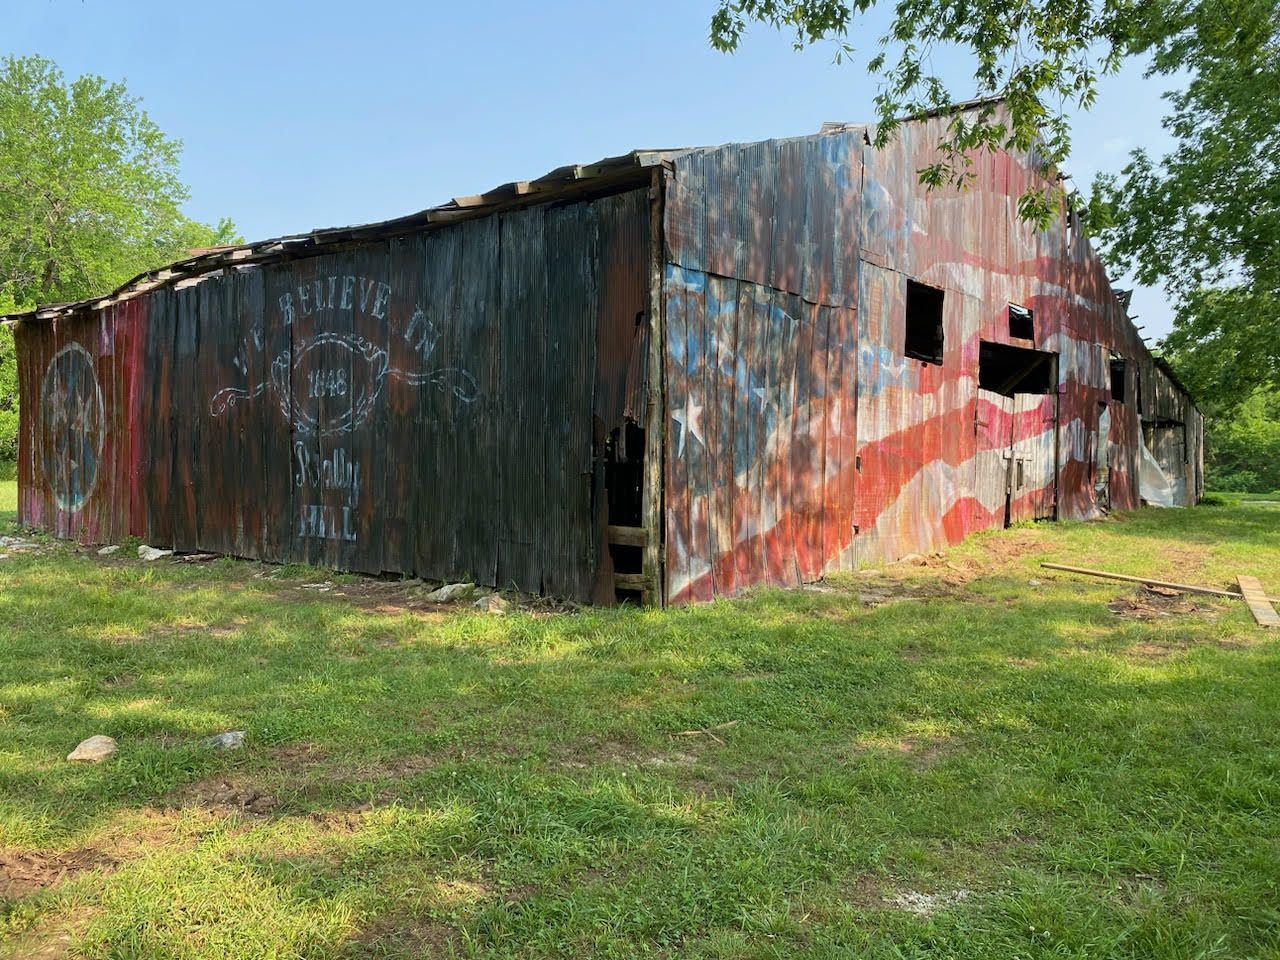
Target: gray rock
(93,750)
(450,592)
(493,604)
(108,551)
(152,553)
(1035,583)
(231,740)
(17,543)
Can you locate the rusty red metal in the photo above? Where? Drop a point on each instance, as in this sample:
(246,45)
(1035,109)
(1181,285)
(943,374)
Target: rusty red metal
(844,450)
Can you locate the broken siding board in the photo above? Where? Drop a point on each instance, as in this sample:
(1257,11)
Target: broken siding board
(247,301)
(777,531)
(448,523)
(719,425)
(157,426)
(655,399)
(1256,598)
(360,454)
(215,487)
(185,454)
(699,410)
(750,436)
(411,349)
(678,495)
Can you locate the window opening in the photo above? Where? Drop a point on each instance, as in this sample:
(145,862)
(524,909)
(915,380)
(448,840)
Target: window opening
(1021,323)
(1118,371)
(924,322)
(1008,370)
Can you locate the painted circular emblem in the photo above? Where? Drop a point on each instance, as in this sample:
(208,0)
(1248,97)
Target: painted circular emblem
(333,383)
(73,424)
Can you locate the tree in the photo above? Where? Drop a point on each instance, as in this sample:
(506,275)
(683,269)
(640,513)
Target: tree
(1039,56)
(90,196)
(1204,220)
(1242,449)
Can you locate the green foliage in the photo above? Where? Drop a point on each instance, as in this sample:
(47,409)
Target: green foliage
(1242,446)
(89,187)
(1039,57)
(8,392)
(90,196)
(1203,221)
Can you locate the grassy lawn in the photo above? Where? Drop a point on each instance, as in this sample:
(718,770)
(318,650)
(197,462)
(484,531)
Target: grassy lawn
(935,760)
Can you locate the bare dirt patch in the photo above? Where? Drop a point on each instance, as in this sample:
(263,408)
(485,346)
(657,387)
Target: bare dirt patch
(23,872)
(622,751)
(878,589)
(297,756)
(228,796)
(1157,603)
(1183,561)
(1003,548)
(864,892)
(403,935)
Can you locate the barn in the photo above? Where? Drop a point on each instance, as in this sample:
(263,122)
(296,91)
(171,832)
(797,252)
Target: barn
(666,376)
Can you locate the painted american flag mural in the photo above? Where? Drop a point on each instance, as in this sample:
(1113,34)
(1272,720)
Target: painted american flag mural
(801,438)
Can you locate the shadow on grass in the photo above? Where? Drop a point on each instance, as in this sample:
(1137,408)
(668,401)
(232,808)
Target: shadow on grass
(707,781)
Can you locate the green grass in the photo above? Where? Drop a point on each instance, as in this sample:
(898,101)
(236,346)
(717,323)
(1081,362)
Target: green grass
(427,783)
(8,502)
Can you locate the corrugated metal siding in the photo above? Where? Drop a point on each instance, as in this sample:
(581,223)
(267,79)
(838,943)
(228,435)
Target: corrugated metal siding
(421,405)
(761,342)
(938,457)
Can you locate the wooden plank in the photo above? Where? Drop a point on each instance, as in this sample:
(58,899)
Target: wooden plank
(630,581)
(1187,588)
(627,536)
(1258,603)
(655,403)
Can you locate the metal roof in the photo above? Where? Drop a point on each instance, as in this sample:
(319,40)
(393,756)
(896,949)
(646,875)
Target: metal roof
(567,182)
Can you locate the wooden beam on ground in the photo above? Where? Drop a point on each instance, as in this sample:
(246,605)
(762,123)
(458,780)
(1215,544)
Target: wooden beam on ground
(1184,587)
(1258,603)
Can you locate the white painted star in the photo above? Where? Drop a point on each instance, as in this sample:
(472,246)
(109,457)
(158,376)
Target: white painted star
(689,418)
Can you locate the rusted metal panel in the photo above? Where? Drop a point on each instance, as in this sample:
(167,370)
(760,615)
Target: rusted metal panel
(780,213)
(420,404)
(1032,488)
(862,454)
(761,344)
(758,461)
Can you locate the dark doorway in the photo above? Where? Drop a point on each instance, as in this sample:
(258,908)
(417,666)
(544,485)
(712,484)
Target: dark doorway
(624,487)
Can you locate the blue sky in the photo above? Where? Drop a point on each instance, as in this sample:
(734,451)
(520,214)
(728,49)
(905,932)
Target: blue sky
(297,115)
